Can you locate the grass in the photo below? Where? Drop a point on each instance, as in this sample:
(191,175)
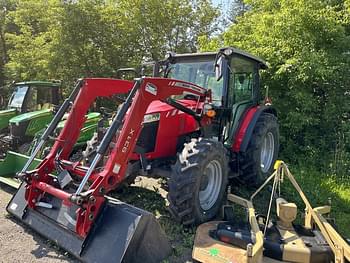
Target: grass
(319,189)
(322,189)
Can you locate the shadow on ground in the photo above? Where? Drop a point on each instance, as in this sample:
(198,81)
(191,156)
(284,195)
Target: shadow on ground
(7,189)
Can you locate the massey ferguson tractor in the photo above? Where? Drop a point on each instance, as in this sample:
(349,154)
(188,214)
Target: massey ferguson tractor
(198,125)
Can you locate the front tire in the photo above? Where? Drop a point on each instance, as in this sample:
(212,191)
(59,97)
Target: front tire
(256,164)
(198,181)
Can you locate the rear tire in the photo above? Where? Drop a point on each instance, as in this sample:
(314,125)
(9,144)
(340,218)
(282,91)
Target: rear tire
(198,181)
(256,164)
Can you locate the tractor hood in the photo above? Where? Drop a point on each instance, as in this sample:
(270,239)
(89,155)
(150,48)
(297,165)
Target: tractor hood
(164,123)
(7,112)
(5,116)
(30,115)
(25,126)
(158,106)
(91,118)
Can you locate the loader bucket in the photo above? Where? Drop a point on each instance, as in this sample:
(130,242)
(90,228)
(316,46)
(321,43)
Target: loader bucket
(121,233)
(12,164)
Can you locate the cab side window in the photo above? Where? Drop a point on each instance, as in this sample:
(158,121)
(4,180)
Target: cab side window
(242,80)
(44,97)
(216,89)
(32,98)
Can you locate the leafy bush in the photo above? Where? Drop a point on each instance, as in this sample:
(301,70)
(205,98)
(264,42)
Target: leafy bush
(306,44)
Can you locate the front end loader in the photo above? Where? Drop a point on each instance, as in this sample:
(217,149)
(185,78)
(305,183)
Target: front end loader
(72,208)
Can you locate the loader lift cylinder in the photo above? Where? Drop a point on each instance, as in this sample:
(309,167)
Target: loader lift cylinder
(52,126)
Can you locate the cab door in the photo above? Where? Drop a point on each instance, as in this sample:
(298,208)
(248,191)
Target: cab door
(243,92)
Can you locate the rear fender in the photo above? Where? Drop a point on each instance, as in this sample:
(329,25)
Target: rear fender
(245,131)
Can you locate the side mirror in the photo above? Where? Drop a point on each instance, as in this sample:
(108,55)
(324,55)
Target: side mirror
(218,68)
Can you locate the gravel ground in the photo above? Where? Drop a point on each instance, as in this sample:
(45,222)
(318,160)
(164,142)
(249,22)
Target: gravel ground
(18,244)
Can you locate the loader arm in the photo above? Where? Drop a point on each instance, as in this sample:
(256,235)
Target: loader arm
(124,130)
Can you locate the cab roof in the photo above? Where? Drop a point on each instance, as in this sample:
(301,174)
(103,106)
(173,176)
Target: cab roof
(205,55)
(39,83)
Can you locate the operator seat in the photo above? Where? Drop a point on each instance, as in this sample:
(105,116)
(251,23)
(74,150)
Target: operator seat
(46,106)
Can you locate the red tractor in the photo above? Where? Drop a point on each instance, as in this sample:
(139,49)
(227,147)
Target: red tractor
(198,125)
(241,140)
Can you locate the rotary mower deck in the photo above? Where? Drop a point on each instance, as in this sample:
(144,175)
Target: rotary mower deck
(259,239)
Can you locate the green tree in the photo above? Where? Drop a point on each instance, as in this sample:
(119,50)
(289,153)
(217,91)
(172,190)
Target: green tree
(237,9)
(307,46)
(5,7)
(91,41)
(67,40)
(34,30)
(173,25)
(71,39)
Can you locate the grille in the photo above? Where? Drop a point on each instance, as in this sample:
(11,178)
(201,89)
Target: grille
(19,131)
(148,136)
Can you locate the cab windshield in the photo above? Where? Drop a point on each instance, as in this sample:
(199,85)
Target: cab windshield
(18,97)
(39,98)
(201,73)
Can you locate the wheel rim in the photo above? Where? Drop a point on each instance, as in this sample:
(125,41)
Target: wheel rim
(267,152)
(210,185)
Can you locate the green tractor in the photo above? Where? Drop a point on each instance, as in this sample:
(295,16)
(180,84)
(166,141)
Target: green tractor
(30,109)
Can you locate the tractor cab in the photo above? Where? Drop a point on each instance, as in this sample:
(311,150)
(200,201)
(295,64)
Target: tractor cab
(198,69)
(30,96)
(28,111)
(33,96)
(232,76)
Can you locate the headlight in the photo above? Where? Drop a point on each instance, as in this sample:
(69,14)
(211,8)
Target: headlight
(151,117)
